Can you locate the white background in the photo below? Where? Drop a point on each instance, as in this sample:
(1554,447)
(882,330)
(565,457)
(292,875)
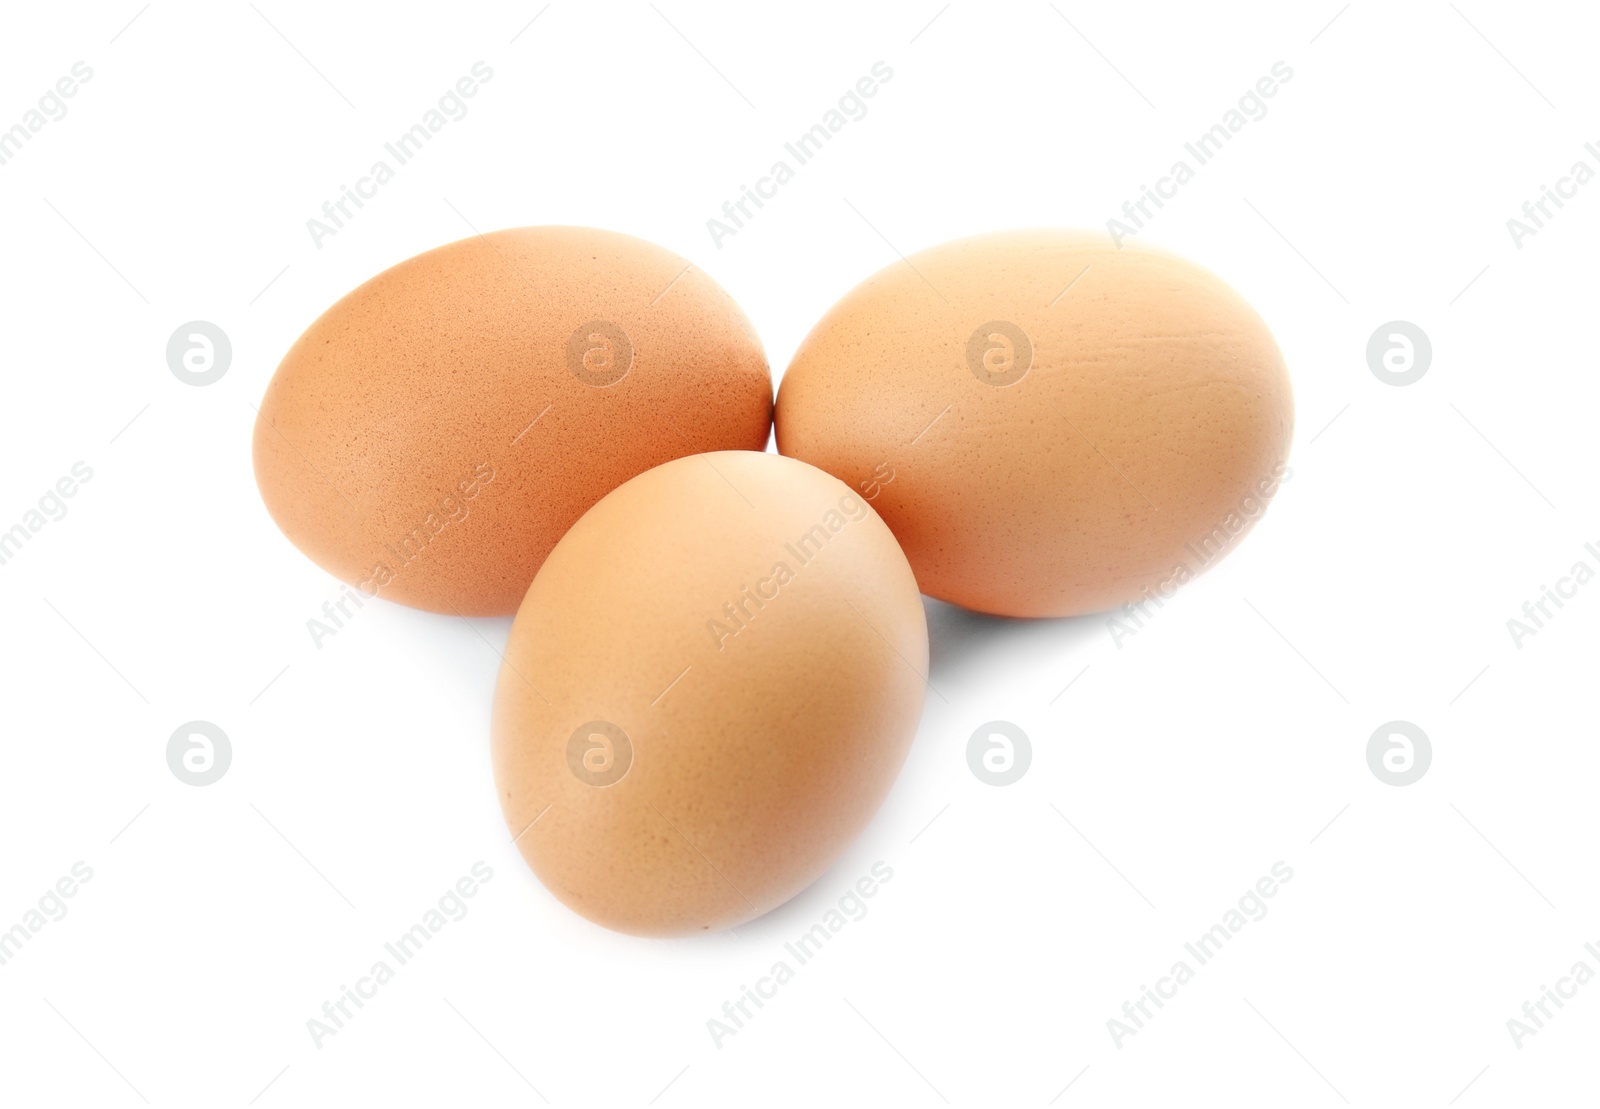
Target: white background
(1180,765)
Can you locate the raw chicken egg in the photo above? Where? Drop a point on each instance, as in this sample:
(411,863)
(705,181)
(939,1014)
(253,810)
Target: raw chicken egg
(433,434)
(709,688)
(1049,424)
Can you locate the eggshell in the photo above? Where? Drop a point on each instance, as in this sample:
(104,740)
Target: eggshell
(1050,425)
(432,435)
(707,692)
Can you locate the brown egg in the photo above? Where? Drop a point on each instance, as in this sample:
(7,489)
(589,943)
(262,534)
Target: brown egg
(709,688)
(432,435)
(1050,425)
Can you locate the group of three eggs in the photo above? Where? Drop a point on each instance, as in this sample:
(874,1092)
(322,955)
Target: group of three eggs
(719,654)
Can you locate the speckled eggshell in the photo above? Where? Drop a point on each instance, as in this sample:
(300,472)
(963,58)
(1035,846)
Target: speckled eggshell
(709,688)
(433,434)
(1050,425)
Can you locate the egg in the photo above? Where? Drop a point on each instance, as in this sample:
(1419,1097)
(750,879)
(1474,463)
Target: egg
(1049,424)
(433,434)
(707,692)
